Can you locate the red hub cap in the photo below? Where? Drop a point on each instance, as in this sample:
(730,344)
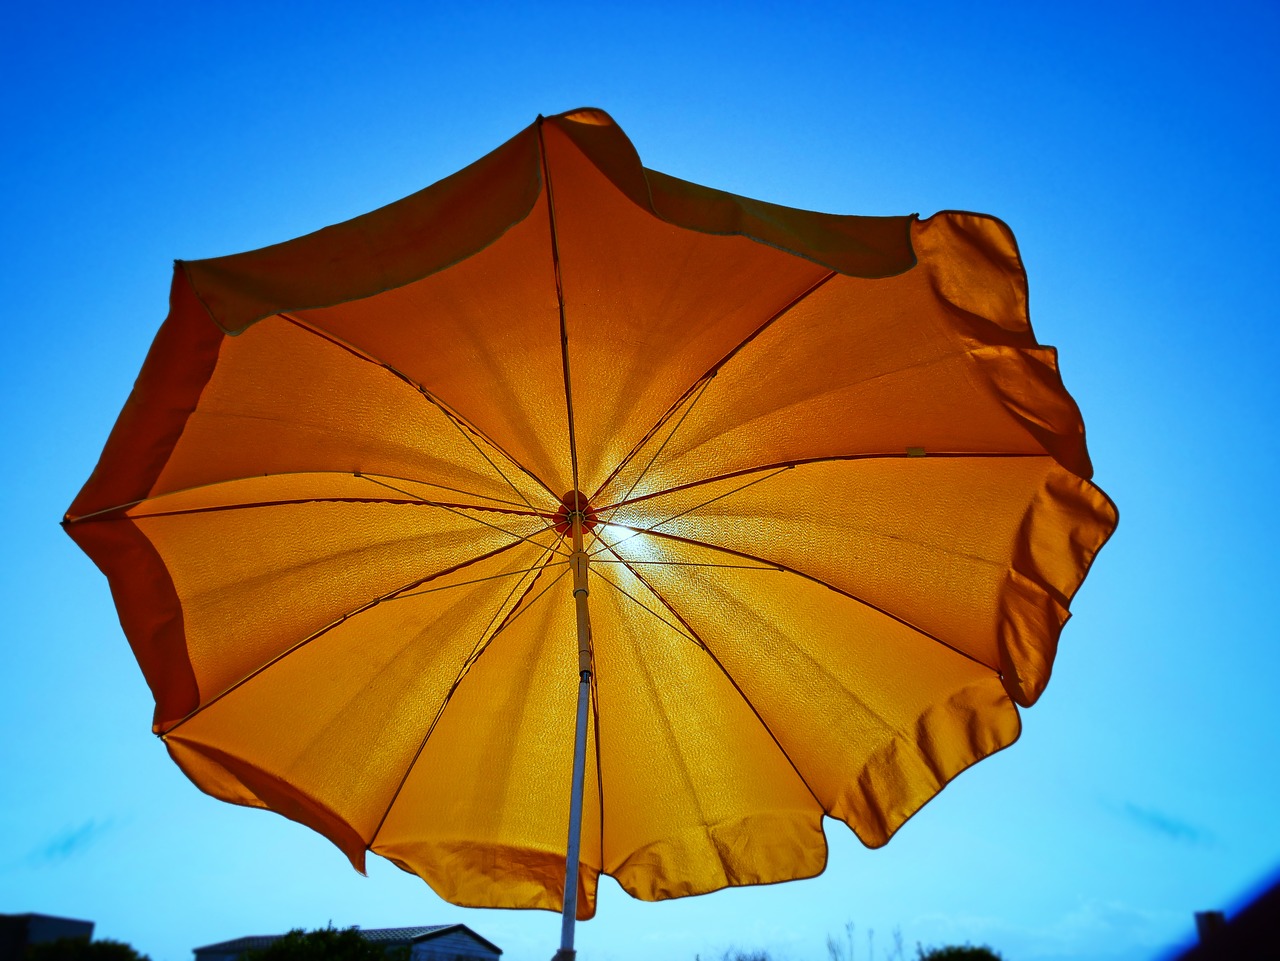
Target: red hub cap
(574,501)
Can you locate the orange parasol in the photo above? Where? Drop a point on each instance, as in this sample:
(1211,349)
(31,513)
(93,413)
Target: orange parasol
(805,489)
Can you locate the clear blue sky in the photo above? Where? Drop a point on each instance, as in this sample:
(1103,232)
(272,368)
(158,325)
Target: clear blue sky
(1132,148)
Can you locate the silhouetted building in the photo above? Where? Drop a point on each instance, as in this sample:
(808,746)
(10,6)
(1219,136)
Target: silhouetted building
(1251,934)
(19,930)
(432,942)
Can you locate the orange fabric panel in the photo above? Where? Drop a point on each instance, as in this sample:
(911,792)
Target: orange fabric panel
(285,400)
(342,717)
(870,367)
(649,308)
(483,816)
(697,794)
(255,581)
(876,717)
(484,337)
(930,539)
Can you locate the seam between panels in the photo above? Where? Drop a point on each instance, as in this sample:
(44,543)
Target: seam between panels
(477,651)
(915,542)
(564,330)
(728,677)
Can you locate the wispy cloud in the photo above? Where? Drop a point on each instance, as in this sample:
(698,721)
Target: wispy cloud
(1159,822)
(71,842)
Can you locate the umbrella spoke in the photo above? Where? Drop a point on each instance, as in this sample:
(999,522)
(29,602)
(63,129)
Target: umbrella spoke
(465,427)
(688,510)
(832,458)
(516,611)
(478,580)
(258,477)
(630,561)
(336,622)
(817,580)
(661,447)
(706,379)
(501,530)
(631,597)
(477,651)
(414,501)
(693,635)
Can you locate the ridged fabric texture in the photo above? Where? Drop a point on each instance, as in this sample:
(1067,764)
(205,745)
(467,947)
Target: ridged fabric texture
(839,503)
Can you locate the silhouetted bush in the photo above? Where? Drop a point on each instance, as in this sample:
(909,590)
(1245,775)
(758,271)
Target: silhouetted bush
(82,949)
(957,952)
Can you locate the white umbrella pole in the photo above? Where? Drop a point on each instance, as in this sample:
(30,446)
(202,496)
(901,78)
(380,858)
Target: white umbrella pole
(578,560)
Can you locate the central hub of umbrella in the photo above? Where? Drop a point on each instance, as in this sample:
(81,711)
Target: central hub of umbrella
(574,501)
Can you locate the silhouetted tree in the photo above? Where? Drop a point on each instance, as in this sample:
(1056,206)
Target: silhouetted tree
(957,952)
(324,944)
(82,949)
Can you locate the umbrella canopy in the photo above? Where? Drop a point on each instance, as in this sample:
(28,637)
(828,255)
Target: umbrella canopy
(832,500)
